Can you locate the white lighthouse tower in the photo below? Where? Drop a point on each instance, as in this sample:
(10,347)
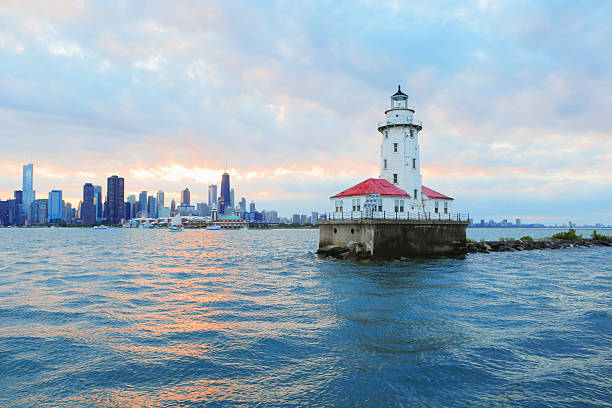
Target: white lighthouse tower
(399,151)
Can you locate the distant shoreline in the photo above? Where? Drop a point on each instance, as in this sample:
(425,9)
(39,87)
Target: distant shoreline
(541,228)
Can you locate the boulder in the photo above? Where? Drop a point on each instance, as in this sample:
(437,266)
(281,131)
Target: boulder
(332,250)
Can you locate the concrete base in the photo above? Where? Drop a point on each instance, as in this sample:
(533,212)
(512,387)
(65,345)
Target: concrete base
(387,239)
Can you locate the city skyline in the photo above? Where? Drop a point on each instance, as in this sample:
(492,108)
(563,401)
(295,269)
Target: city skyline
(515,125)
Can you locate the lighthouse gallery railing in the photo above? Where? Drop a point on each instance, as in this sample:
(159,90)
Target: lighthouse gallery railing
(385,215)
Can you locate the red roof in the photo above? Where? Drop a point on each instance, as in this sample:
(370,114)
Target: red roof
(373,186)
(433,194)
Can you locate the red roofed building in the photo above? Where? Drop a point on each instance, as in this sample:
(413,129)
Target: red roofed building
(373,186)
(434,202)
(371,195)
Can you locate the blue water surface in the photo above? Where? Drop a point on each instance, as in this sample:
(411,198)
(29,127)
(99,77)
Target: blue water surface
(121,318)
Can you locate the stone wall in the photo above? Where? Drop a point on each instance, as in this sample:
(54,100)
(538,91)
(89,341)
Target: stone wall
(396,238)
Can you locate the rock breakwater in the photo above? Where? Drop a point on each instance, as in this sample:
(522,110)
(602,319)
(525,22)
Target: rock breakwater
(359,251)
(528,245)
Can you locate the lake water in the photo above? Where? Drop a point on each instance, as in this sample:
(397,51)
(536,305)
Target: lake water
(97,318)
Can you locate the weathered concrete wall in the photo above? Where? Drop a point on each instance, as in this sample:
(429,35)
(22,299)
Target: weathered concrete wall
(396,238)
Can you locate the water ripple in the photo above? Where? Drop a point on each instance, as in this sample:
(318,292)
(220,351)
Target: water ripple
(253,318)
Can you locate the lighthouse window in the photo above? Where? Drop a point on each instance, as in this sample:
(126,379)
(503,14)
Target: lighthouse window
(385,163)
(399,205)
(412,133)
(386,134)
(394,147)
(445,207)
(394,178)
(339,206)
(415,194)
(414,163)
(379,204)
(436,209)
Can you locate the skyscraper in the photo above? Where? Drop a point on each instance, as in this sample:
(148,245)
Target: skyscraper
(132,207)
(314,217)
(55,206)
(142,201)
(114,199)
(212,195)
(225,200)
(29,195)
(68,213)
(152,207)
(38,211)
(232,203)
(88,215)
(172,206)
(18,209)
(98,203)
(252,207)
(243,205)
(185,197)
(160,200)
(28,176)
(4,212)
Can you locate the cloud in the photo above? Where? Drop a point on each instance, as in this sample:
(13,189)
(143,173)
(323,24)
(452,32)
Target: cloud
(152,63)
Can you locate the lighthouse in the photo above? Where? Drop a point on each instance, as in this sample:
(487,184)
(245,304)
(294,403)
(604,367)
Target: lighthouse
(398,192)
(399,150)
(393,215)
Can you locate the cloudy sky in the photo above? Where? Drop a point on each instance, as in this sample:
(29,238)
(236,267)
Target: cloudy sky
(515,99)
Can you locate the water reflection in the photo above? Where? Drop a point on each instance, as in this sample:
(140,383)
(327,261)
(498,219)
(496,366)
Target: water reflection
(148,318)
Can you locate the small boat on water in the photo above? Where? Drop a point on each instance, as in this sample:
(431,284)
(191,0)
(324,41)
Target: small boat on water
(175,228)
(213,228)
(100,227)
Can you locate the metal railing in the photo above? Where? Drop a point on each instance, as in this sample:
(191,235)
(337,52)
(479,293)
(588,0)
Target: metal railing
(400,121)
(386,215)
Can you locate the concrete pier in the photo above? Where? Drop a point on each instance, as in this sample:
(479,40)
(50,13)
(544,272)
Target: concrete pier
(392,239)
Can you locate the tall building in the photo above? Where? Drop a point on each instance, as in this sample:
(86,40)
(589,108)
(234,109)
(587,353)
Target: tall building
(203,209)
(142,201)
(243,205)
(4,212)
(29,195)
(38,211)
(18,211)
(160,200)
(232,203)
(252,207)
(185,197)
(225,200)
(132,209)
(55,206)
(98,203)
(314,217)
(28,177)
(88,215)
(212,195)
(152,207)
(172,206)
(114,199)
(13,212)
(68,213)
(127,208)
